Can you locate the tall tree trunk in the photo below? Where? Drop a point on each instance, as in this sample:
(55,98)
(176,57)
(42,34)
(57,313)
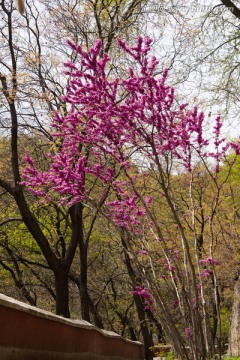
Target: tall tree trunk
(62,293)
(60,271)
(97,319)
(76,213)
(84,297)
(96,316)
(234,340)
(147,338)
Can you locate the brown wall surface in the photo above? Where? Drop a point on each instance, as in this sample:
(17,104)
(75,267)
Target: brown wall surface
(28,333)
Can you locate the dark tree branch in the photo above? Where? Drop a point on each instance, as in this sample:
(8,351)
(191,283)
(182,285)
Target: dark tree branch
(234,9)
(10,220)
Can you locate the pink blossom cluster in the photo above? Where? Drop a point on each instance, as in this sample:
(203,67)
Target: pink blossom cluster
(205,262)
(168,265)
(209,260)
(206,273)
(100,123)
(141,252)
(189,332)
(125,211)
(144,292)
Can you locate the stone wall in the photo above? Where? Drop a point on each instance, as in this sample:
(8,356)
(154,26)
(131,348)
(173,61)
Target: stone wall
(28,333)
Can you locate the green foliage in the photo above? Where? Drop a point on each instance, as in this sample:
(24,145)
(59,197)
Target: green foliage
(170,356)
(232,164)
(164,351)
(225,320)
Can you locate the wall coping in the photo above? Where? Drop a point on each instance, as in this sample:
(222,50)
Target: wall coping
(21,306)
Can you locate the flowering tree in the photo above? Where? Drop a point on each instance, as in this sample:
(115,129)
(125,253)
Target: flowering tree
(31,86)
(114,123)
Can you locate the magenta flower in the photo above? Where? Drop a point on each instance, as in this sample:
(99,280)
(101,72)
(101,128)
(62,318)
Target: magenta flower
(206,273)
(189,332)
(144,293)
(99,126)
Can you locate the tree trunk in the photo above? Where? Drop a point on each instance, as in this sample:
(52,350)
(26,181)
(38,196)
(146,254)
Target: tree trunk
(84,297)
(96,316)
(97,319)
(234,340)
(76,213)
(62,293)
(147,338)
(148,341)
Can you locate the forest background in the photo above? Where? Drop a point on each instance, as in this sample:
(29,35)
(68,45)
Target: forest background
(152,250)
